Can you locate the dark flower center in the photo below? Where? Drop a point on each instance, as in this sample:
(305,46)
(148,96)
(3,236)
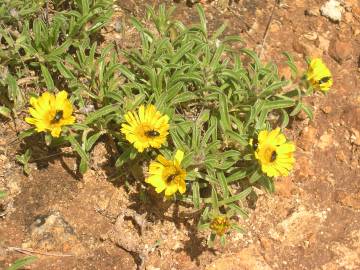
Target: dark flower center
(57,117)
(273,156)
(171,177)
(152,133)
(324,80)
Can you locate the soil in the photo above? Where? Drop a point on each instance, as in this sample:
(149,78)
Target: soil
(99,221)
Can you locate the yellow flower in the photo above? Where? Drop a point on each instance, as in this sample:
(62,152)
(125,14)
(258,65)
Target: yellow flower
(220,225)
(275,155)
(147,128)
(167,174)
(319,75)
(50,112)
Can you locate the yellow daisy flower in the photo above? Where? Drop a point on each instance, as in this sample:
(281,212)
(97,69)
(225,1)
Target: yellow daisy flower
(146,128)
(50,112)
(220,225)
(275,155)
(167,174)
(319,75)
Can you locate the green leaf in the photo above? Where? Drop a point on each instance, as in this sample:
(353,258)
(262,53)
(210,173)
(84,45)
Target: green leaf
(183,97)
(237,137)
(201,13)
(224,112)
(4,111)
(47,77)
(268,183)
(241,174)
(26,133)
(214,199)
(196,194)
(22,262)
(238,197)
(92,140)
(255,176)
(2,194)
(100,113)
(308,111)
(76,146)
(224,185)
(278,104)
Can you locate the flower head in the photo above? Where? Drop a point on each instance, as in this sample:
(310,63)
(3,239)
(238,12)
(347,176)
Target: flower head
(220,225)
(274,153)
(146,128)
(319,75)
(167,174)
(50,112)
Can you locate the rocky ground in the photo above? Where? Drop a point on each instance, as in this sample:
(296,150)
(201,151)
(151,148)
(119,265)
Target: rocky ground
(312,222)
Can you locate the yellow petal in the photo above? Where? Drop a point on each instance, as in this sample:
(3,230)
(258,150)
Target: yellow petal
(179,156)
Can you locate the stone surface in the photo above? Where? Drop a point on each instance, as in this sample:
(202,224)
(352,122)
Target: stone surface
(332,9)
(53,233)
(247,259)
(341,50)
(326,140)
(298,227)
(307,138)
(348,199)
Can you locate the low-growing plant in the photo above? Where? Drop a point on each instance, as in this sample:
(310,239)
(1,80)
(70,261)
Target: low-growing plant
(33,47)
(203,117)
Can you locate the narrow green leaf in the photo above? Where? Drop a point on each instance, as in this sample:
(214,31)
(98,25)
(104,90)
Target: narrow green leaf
(47,77)
(224,112)
(235,198)
(241,174)
(76,146)
(4,111)
(255,176)
(20,263)
(224,185)
(196,194)
(100,113)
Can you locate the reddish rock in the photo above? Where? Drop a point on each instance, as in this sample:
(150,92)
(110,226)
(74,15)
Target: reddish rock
(341,51)
(307,138)
(327,109)
(304,167)
(306,49)
(284,187)
(326,140)
(348,199)
(247,259)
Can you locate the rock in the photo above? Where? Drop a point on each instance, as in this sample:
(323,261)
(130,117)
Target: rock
(53,233)
(348,199)
(247,259)
(326,140)
(315,12)
(348,18)
(303,47)
(284,187)
(323,43)
(304,167)
(298,227)
(332,9)
(125,234)
(307,138)
(355,137)
(327,109)
(341,51)
(345,257)
(311,36)
(340,155)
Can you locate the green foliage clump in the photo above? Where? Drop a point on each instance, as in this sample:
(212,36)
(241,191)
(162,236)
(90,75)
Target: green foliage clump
(217,97)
